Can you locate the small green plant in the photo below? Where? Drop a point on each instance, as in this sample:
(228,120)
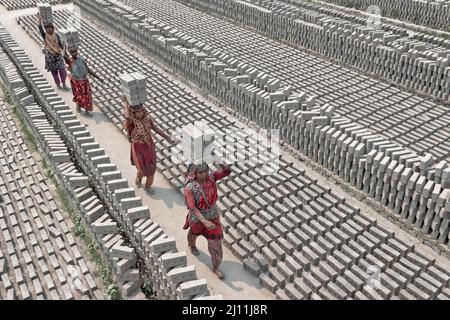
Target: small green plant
(113,292)
(147,289)
(9,100)
(49,173)
(79,227)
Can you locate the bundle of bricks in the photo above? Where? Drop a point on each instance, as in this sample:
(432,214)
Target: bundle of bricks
(197,137)
(301,239)
(71,38)
(45,12)
(113,204)
(134,87)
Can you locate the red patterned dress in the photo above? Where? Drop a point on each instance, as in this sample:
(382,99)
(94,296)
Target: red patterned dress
(81,87)
(194,194)
(143,151)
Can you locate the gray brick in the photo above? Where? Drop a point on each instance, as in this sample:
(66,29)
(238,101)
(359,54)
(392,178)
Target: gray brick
(251,267)
(270,256)
(277,250)
(328,270)
(390,283)
(268,283)
(311,282)
(286,246)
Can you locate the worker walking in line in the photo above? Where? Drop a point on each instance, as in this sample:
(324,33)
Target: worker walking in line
(203,218)
(54,61)
(81,86)
(139,126)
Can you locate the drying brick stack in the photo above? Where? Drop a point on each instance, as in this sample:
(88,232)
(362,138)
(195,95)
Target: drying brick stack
(46,13)
(387,52)
(71,38)
(133,86)
(431,13)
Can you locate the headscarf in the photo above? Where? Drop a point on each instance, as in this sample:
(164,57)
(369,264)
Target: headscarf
(142,127)
(192,170)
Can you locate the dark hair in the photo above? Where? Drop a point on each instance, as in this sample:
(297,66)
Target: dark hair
(137,107)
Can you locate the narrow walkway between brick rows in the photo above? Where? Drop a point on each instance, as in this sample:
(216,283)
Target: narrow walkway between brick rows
(167,206)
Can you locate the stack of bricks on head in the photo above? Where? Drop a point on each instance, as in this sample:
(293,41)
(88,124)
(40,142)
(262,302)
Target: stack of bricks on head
(197,138)
(133,86)
(46,13)
(71,39)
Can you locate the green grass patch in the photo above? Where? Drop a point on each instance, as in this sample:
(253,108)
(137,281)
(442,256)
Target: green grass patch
(104,271)
(30,140)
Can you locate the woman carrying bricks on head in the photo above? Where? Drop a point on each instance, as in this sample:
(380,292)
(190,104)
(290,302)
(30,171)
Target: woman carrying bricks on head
(54,61)
(203,218)
(81,87)
(139,126)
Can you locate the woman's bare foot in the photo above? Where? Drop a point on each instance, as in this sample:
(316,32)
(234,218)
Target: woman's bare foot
(149,189)
(195,251)
(219,274)
(138,182)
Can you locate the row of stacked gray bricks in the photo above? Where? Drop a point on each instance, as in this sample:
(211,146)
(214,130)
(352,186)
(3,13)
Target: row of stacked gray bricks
(429,39)
(334,143)
(414,187)
(435,14)
(272,199)
(40,259)
(119,200)
(357,97)
(22,4)
(333,12)
(366,48)
(374,17)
